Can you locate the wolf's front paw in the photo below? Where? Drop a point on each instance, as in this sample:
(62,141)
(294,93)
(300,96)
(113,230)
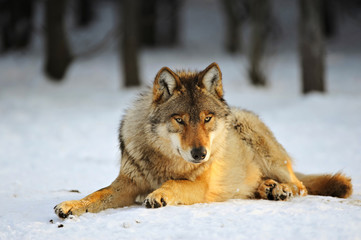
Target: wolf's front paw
(272,190)
(157,199)
(64,209)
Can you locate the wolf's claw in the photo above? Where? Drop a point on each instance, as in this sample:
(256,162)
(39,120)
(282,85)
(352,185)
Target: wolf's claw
(273,190)
(67,208)
(60,213)
(153,203)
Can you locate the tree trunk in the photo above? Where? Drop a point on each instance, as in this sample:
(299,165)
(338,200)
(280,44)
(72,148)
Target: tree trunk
(260,11)
(311,49)
(58,56)
(148,20)
(166,22)
(129,44)
(174,22)
(234,18)
(329,19)
(16,24)
(84,12)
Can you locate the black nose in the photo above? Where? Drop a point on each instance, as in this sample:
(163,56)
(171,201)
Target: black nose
(199,153)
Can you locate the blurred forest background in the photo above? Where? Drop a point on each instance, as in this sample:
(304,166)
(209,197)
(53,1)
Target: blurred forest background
(69,69)
(64,31)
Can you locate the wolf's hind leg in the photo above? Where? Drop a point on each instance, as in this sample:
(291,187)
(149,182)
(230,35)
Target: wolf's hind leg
(272,190)
(122,192)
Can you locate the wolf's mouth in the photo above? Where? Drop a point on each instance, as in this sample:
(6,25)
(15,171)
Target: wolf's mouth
(197,161)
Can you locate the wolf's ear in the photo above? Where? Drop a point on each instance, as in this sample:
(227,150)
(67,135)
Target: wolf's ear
(211,79)
(164,85)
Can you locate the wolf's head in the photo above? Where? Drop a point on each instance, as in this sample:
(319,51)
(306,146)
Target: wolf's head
(189,111)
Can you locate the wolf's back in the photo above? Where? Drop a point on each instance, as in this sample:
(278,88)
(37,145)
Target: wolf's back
(337,185)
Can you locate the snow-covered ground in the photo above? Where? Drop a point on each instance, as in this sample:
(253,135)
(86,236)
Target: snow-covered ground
(55,138)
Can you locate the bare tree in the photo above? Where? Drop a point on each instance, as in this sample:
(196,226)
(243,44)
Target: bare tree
(58,55)
(311,45)
(236,13)
(147,22)
(158,22)
(329,18)
(167,22)
(129,44)
(84,12)
(260,13)
(16,23)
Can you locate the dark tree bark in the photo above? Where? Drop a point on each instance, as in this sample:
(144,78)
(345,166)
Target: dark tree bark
(166,25)
(148,22)
(58,56)
(16,23)
(173,22)
(158,22)
(235,11)
(328,18)
(260,13)
(129,45)
(311,46)
(84,12)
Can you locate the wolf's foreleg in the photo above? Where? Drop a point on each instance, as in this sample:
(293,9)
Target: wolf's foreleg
(175,192)
(122,192)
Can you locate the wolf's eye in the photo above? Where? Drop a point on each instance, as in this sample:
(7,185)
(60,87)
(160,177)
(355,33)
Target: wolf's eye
(207,119)
(179,120)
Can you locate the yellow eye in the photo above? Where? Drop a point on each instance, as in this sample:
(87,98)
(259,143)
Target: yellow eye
(207,119)
(179,120)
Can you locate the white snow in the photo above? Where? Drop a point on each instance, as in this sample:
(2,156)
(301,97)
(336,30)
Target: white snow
(60,137)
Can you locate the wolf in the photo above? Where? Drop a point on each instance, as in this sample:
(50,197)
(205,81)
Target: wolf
(182,144)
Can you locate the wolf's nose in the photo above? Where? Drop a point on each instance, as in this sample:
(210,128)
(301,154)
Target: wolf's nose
(199,153)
